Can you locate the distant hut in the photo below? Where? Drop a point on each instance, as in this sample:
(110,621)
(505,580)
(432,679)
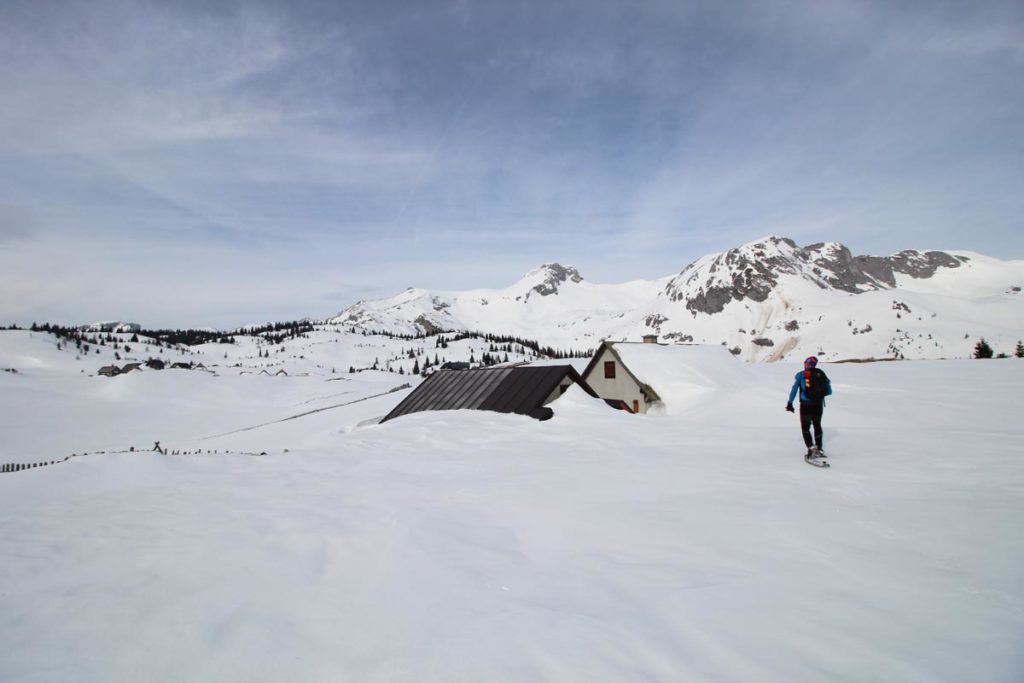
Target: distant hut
(109,371)
(130,367)
(523,390)
(155,364)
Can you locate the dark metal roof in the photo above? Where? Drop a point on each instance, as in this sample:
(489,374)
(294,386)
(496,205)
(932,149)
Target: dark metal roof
(521,390)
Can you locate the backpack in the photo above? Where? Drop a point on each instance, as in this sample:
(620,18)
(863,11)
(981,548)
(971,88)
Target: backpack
(815,385)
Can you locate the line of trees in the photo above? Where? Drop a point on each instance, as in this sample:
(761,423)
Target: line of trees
(504,342)
(984,350)
(188,337)
(276,333)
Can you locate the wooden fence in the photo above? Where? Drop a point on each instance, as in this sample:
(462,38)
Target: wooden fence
(22,466)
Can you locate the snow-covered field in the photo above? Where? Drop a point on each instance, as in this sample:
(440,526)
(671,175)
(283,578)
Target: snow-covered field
(466,546)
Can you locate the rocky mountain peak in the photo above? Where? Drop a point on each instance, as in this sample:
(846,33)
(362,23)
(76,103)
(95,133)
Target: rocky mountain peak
(752,271)
(546,279)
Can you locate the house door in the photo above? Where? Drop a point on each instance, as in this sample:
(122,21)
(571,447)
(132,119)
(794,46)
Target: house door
(636,406)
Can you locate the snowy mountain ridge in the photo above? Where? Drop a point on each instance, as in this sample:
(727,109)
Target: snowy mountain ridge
(766,300)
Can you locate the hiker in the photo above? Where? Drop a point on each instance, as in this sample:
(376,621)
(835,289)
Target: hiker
(813,385)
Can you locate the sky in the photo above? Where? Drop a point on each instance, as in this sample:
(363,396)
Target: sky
(218,164)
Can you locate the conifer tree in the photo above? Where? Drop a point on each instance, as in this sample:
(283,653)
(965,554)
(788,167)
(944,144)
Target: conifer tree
(982,349)
(1019,351)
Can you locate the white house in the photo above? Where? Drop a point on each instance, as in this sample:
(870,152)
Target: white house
(651,375)
(610,376)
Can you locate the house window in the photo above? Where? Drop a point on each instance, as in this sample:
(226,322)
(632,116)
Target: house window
(636,406)
(609,369)
(562,389)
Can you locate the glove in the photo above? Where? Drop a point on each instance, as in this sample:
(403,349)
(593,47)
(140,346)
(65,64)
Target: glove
(789,408)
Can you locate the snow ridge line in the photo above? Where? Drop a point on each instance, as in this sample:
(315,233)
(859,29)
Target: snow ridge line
(308,412)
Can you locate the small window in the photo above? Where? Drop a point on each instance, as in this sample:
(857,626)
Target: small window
(563,388)
(609,369)
(636,406)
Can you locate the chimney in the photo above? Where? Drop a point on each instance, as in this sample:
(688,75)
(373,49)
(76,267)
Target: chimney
(650,339)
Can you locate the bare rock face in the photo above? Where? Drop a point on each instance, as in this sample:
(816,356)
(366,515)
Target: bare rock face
(922,266)
(747,272)
(655,321)
(752,272)
(838,269)
(554,275)
(427,325)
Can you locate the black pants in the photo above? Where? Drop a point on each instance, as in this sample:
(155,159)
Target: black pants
(810,414)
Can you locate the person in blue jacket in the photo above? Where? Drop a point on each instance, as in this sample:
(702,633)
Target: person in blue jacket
(813,386)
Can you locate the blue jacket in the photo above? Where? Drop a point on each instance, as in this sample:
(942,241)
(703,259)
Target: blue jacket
(798,386)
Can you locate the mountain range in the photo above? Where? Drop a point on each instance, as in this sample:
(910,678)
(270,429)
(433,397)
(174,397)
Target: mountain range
(766,300)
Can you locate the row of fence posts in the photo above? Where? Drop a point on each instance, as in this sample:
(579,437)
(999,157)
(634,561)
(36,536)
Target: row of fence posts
(21,467)
(18,467)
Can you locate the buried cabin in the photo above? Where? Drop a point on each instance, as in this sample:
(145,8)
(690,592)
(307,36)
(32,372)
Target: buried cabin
(525,390)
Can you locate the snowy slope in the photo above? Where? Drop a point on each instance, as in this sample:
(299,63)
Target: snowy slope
(473,546)
(766,300)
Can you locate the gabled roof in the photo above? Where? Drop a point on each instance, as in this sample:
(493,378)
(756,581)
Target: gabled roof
(680,371)
(610,346)
(521,390)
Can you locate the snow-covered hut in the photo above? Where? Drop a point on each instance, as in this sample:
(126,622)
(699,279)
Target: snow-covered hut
(525,390)
(109,371)
(651,375)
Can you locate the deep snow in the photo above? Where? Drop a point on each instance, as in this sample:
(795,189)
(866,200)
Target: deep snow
(472,546)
